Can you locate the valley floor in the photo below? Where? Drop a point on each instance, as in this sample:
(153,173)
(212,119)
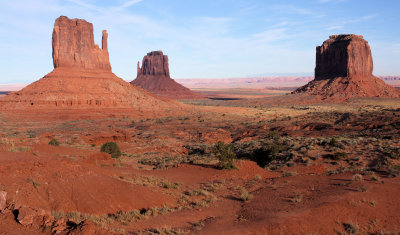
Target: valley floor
(300,168)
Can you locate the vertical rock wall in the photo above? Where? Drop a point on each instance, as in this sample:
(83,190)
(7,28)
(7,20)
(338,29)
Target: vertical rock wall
(73,45)
(344,55)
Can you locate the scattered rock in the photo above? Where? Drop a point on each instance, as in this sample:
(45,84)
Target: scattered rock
(154,76)
(89,228)
(344,71)
(3,200)
(26,215)
(59,226)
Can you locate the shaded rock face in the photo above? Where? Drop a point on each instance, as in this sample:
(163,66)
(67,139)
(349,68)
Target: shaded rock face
(155,63)
(345,55)
(154,76)
(344,70)
(73,45)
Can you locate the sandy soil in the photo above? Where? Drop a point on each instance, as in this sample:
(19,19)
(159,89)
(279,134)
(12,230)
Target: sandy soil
(314,168)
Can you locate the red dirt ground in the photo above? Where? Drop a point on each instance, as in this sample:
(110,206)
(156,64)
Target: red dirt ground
(163,187)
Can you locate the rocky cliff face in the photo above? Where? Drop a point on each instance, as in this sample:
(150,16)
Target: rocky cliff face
(73,45)
(345,55)
(344,70)
(155,63)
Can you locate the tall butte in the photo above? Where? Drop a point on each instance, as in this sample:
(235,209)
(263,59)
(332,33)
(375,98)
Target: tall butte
(82,76)
(344,70)
(154,77)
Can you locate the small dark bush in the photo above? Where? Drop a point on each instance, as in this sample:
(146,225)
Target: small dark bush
(273,135)
(268,153)
(350,228)
(54,142)
(339,155)
(225,154)
(111,148)
(393,171)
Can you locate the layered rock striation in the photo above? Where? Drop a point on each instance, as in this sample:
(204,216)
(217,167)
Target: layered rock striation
(344,70)
(154,76)
(74,47)
(82,76)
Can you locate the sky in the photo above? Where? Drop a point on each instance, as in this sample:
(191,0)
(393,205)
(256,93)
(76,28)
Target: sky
(202,38)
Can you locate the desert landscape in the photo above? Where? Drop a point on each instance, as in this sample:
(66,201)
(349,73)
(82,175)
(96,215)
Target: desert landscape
(83,151)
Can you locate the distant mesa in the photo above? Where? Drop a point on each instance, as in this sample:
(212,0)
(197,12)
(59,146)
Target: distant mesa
(154,77)
(344,70)
(82,76)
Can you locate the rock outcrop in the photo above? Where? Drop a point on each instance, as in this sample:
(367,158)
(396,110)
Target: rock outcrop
(73,45)
(3,200)
(82,76)
(155,63)
(344,70)
(154,76)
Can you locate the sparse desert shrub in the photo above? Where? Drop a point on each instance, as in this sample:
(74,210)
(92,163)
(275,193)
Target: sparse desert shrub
(289,173)
(31,134)
(335,143)
(297,198)
(339,155)
(357,177)
(54,142)
(111,148)
(393,153)
(225,154)
(268,153)
(273,135)
(33,182)
(350,228)
(245,195)
(374,177)
(393,171)
(169,185)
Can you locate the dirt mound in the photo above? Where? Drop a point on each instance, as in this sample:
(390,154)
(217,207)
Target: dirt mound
(82,76)
(154,77)
(344,70)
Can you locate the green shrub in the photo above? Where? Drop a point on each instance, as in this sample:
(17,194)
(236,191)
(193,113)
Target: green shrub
(111,148)
(225,154)
(273,135)
(339,155)
(268,153)
(54,142)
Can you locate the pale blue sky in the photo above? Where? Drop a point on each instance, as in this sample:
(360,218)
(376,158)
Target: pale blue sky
(203,38)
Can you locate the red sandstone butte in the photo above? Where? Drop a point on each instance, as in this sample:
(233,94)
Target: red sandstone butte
(73,45)
(344,70)
(82,76)
(154,77)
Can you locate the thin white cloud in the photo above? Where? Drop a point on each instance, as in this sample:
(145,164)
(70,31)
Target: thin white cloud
(126,5)
(341,24)
(86,5)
